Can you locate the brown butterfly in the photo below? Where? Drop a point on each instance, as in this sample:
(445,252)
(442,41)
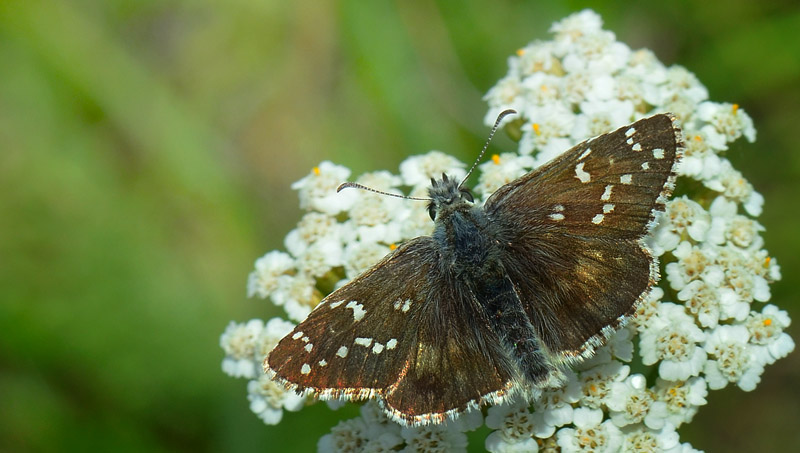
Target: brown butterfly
(501,297)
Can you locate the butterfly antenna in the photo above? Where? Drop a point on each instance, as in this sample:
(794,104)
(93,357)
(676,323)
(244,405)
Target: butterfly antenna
(356,185)
(500,117)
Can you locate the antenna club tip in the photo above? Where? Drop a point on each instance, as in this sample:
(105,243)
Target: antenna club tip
(342,186)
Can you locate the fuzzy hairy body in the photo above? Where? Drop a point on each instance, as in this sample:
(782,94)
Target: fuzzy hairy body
(472,247)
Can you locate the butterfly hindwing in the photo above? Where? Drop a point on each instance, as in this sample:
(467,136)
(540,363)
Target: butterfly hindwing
(575,229)
(404,332)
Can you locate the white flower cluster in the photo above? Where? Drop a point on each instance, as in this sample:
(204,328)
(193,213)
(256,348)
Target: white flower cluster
(699,330)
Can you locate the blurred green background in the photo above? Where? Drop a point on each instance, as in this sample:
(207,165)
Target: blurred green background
(147,149)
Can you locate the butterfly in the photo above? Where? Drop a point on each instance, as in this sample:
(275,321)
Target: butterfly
(502,297)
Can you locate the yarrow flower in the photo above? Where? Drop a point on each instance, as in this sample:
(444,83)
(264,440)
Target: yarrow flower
(703,327)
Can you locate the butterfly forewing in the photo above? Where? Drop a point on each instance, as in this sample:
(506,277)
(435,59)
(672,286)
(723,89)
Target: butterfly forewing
(576,225)
(403,332)
(358,338)
(606,186)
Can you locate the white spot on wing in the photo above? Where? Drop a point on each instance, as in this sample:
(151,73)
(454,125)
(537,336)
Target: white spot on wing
(391,343)
(358,310)
(582,175)
(629,141)
(645,165)
(297,335)
(630,132)
(557,216)
(626,179)
(585,153)
(658,153)
(308,347)
(336,304)
(597,219)
(608,208)
(607,193)
(342,352)
(637,147)
(304,339)
(558,208)
(377,348)
(363,341)
(403,305)
(305,369)
(323,362)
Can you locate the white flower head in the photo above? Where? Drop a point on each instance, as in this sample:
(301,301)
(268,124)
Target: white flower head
(501,170)
(590,433)
(682,215)
(647,309)
(596,383)
(268,399)
(555,405)
(297,295)
(264,279)
(728,120)
(372,432)
(314,228)
(682,398)
(574,26)
(442,438)
(418,170)
(631,402)
(360,256)
(672,339)
(239,341)
(767,334)
(643,439)
(274,330)
(732,358)
(547,131)
(732,184)
(703,299)
(694,263)
(318,190)
(515,427)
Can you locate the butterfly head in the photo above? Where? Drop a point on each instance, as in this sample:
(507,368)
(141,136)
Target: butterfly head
(446,193)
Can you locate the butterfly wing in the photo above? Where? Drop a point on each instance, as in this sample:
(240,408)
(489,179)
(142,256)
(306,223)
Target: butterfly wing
(574,230)
(402,332)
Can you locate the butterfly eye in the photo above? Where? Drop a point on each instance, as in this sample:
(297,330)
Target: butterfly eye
(466,194)
(432,211)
